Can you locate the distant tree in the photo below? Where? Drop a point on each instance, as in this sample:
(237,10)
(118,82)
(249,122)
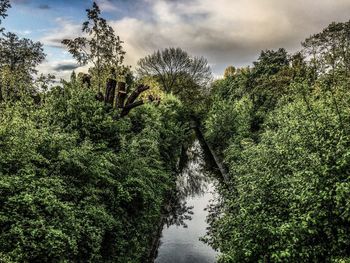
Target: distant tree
(20,54)
(101,47)
(230,71)
(270,62)
(4,5)
(176,70)
(18,61)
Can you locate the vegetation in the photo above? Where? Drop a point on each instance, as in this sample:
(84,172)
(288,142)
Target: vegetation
(283,130)
(78,183)
(86,173)
(101,47)
(178,73)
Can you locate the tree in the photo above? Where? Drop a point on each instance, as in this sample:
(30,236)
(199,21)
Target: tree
(270,62)
(19,58)
(176,70)
(330,49)
(101,47)
(285,145)
(4,5)
(230,71)
(20,54)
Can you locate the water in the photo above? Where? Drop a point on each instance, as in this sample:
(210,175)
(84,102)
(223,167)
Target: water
(180,236)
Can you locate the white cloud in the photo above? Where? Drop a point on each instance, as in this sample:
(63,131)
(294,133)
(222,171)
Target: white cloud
(60,68)
(65,29)
(225,31)
(107,5)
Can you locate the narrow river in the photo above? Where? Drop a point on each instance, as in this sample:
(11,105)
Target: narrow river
(180,240)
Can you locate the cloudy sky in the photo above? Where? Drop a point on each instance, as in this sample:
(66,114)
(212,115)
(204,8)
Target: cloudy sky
(226,32)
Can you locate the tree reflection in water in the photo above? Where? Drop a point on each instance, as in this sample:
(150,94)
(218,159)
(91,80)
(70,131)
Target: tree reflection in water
(191,182)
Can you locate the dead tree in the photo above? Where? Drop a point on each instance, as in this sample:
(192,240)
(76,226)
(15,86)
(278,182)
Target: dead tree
(121,95)
(122,100)
(110,91)
(131,103)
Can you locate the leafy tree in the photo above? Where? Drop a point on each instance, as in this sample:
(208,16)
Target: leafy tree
(229,71)
(20,54)
(76,184)
(284,199)
(101,47)
(177,72)
(270,62)
(17,64)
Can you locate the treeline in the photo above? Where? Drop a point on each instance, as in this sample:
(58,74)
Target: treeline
(283,129)
(81,181)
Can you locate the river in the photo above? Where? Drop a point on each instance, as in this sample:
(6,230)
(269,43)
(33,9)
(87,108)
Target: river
(180,240)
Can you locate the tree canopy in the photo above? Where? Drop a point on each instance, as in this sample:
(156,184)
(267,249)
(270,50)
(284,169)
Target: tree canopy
(176,70)
(280,129)
(101,46)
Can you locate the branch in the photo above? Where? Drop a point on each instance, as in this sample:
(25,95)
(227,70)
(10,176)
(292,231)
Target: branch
(134,95)
(129,107)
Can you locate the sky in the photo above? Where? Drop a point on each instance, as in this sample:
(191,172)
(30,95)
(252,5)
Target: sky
(226,32)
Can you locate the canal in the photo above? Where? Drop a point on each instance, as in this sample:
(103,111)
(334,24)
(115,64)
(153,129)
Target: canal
(180,239)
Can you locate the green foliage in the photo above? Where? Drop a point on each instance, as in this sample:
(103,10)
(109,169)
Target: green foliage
(101,46)
(78,185)
(329,50)
(284,134)
(18,60)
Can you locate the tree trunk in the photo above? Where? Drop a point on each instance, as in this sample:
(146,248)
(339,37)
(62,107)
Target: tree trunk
(86,79)
(110,91)
(134,95)
(121,95)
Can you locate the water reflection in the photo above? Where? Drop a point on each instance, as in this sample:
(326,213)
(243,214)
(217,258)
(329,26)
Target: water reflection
(194,178)
(186,221)
(193,181)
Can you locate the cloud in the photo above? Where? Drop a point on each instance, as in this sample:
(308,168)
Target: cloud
(65,67)
(60,68)
(23,32)
(44,6)
(226,32)
(107,5)
(66,29)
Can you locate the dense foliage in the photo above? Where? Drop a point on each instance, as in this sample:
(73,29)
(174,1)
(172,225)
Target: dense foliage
(78,183)
(83,178)
(283,130)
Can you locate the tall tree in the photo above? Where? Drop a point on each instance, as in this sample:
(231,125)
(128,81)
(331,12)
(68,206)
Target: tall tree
(176,70)
(101,46)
